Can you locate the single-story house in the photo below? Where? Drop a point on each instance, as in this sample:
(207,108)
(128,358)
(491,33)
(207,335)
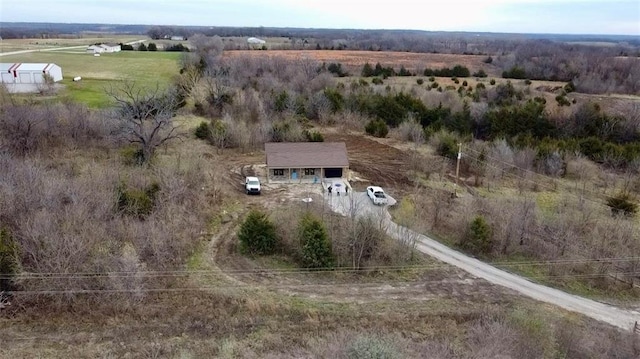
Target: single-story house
(306,162)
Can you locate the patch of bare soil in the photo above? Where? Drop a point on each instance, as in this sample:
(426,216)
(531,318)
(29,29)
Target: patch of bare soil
(373,161)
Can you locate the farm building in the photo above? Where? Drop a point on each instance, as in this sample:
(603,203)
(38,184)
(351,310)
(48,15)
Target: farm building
(177,38)
(25,77)
(255,40)
(102,48)
(306,162)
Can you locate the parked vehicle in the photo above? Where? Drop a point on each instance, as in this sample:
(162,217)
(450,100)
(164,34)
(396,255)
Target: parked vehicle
(252,185)
(377,195)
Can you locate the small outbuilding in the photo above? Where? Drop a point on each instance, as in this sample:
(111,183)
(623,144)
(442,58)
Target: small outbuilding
(256,41)
(29,73)
(102,48)
(306,162)
(27,77)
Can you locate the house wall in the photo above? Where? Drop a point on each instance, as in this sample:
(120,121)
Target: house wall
(298,175)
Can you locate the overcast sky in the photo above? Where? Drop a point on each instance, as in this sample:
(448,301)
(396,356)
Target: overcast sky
(522,16)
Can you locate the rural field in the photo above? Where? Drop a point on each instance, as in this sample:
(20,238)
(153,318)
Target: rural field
(354,60)
(122,244)
(99,73)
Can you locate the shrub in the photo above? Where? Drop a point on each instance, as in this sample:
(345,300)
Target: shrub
(377,81)
(177,48)
(527,82)
(336,69)
(478,238)
(465,83)
(152,47)
(142,47)
(447,147)
(8,261)
(622,204)
(569,87)
(132,156)
(257,234)
(480,86)
(377,128)
(562,100)
(203,131)
(137,202)
(515,72)
(488,60)
(431,78)
(419,81)
(435,85)
(313,136)
(492,82)
(314,242)
(480,73)
(372,348)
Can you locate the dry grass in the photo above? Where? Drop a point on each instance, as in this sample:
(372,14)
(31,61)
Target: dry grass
(354,60)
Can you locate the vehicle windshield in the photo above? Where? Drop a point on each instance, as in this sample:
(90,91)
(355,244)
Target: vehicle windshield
(254,182)
(379,194)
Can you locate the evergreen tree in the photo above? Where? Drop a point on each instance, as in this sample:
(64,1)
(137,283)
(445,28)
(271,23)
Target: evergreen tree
(478,238)
(257,234)
(315,243)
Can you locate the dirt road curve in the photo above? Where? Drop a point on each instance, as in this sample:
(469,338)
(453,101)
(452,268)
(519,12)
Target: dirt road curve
(620,318)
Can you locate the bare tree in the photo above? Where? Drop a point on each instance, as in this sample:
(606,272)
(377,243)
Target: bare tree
(145,118)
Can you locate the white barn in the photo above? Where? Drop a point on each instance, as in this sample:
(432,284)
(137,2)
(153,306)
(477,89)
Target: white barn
(95,49)
(102,48)
(25,77)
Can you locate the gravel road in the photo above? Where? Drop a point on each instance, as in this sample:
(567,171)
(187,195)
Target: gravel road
(359,204)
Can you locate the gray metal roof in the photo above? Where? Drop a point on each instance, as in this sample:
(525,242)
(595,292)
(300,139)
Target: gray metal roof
(306,154)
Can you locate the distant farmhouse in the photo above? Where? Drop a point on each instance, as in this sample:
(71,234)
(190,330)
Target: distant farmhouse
(255,41)
(103,48)
(28,77)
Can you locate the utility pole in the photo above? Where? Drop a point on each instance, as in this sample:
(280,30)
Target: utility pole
(455,187)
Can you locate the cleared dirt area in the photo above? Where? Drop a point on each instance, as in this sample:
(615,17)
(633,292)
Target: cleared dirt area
(354,60)
(371,162)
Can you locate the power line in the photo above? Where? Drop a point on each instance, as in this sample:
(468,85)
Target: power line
(315,271)
(594,194)
(372,284)
(544,185)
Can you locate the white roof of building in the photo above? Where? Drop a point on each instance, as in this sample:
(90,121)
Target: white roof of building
(255,40)
(5,67)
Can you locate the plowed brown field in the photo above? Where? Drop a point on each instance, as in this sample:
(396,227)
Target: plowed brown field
(354,60)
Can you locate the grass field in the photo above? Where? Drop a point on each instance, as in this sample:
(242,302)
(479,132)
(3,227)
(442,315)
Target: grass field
(99,73)
(8,45)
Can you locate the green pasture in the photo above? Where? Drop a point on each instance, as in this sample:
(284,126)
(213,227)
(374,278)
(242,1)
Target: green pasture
(101,72)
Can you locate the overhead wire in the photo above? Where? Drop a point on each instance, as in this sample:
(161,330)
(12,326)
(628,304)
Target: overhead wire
(511,165)
(315,271)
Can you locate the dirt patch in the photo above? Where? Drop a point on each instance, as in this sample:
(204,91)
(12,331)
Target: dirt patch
(374,162)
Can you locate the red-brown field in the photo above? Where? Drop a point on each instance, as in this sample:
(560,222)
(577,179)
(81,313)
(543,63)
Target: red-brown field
(354,60)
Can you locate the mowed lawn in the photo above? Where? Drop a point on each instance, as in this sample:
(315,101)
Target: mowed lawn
(146,69)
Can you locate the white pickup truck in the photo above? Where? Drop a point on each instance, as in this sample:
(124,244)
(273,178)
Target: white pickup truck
(377,195)
(252,185)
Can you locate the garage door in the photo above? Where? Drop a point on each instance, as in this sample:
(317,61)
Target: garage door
(333,172)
